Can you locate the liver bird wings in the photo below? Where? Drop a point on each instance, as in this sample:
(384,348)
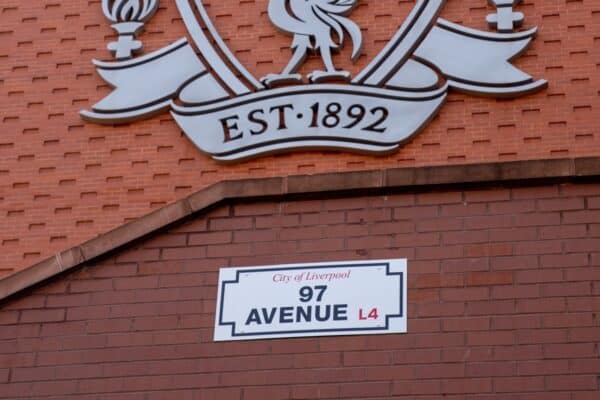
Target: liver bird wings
(313,24)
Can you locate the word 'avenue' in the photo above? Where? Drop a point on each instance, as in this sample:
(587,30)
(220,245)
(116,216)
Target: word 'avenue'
(320,313)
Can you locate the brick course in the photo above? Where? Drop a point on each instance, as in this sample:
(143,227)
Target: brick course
(137,324)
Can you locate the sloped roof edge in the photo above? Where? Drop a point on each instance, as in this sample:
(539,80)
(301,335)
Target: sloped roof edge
(328,183)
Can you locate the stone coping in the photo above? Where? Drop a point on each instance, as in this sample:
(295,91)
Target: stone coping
(294,186)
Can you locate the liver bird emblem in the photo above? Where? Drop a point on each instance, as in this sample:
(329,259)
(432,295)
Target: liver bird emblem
(316,25)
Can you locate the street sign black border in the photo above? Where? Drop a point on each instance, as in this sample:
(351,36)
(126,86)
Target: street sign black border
(309,266)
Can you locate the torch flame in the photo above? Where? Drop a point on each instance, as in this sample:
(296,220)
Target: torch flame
(129,10)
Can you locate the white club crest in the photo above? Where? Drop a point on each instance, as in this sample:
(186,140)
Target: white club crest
(231,115)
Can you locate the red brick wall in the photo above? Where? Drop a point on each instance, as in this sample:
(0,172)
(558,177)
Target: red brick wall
(64,181)
(504,296)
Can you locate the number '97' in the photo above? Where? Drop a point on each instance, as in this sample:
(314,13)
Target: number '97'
(307,293)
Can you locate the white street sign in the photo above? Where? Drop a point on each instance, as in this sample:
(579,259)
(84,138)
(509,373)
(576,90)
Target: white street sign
(325,299)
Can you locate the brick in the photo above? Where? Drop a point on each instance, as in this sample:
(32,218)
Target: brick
(207,238)
(577,382)
(583,366)
(351,203)
(564,260)
(465,265)
(414,387)
(181,280)
(323,218)
(142,282)
(589,334)
(464,354)
(566,289)
(50,315)
(439,224)
(438,280)
(534,192)
(465,237)
(361,358)
(541,305)
(369,215)
(316,360)
(9,317)
(416,356)
(563,232)
(533,336)
(63,328)
(489,278)
(31,301)
(467,385)
(212,394)
(490,307)
(227,224)
(487,195)
(93,285)
(466,294)
(488,221)
(538,276)
(513,234)
(543,367)
(417,212)
(564,320)
(444,339)
(184,253)
(441,310)
(389,373)
(593,203)
(519,384)
(438,252)
(490,369)
(416,240)
(384,228)
(581,217)
(515,322)
(516,292)
(562,204)
(538,219)
(466,324)
(518,352)
(136,255)
(569,350)
(514,262)
(446,370)
(321,245)
(439,198)
(490,338)
(4,373)
(581,245)
(254,236)
(584,395)
(302,206)
(488,250)
(324,391)
(333,231)
(539,247)
(462,210)
(512,207)
(361,390)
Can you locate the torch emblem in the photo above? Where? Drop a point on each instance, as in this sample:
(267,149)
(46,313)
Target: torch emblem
(128,17)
